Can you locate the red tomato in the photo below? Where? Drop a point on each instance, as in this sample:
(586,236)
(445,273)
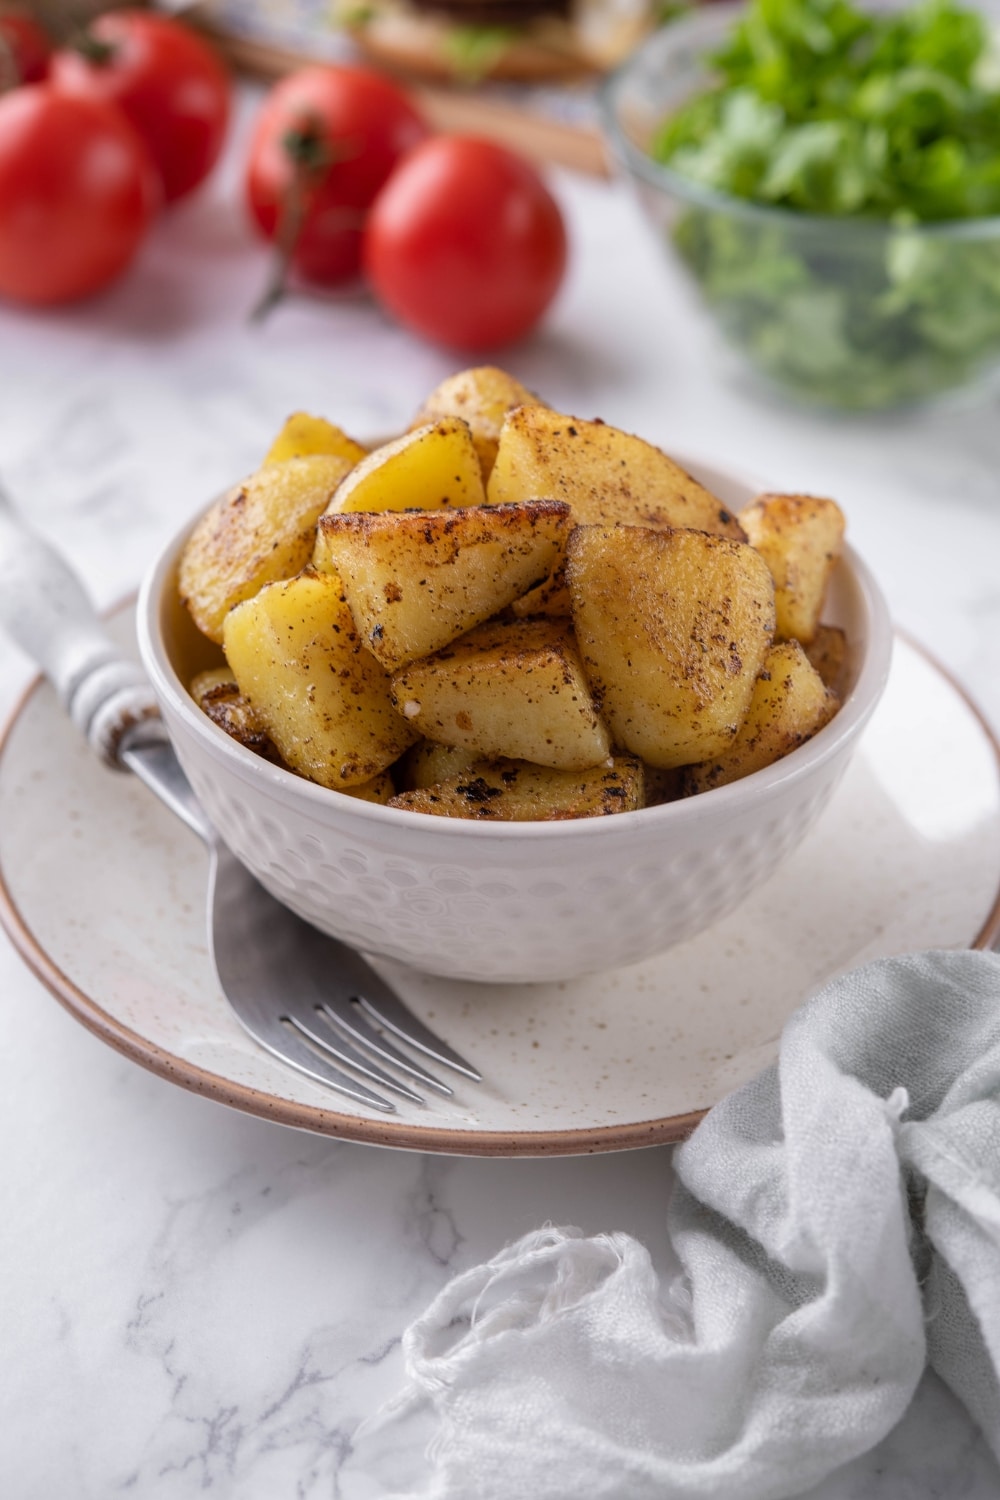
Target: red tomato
(24,50)
(465,244)
(77,192)
(324,144)
(165,79)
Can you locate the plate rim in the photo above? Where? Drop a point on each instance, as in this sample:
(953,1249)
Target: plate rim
(401,1135)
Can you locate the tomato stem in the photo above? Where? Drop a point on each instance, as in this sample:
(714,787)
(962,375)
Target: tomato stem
(312,154)
(277,288)
(92,49)
(10,73)
(307,146)
(293,212)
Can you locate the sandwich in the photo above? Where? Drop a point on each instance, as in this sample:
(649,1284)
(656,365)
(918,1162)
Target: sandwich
(467,41)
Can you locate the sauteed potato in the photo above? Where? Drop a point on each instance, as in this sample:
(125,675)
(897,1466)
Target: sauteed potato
(304,436)
(517,792)
(609,477)
(434,467)
(800,538)
(510,613)
(262,531)
(673,629)
(417,581)
(789,703)
(481,397)
(828,653)
(325,701)
(513,689)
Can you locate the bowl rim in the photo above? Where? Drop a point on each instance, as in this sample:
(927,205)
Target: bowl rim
(716,805)
(712,21)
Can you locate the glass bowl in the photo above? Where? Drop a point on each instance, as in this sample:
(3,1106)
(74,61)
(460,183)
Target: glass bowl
(857,314)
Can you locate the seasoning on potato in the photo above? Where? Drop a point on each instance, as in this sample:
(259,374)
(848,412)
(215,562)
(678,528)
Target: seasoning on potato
(517,792)
(511,614)
(481,397)
(262,531)
(417,581)
(790,702)
(511,689)
(674,627)
(324,700)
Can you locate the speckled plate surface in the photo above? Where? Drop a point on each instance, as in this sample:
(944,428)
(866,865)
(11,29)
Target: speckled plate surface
(103,892)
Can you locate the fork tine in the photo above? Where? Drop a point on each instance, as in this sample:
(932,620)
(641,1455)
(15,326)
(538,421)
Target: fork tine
(382,1005)
(330,1041)
(299,1056)
(344,1016)
(274,967)
(378,1002)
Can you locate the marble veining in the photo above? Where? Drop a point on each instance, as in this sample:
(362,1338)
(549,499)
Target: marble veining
(197,1302)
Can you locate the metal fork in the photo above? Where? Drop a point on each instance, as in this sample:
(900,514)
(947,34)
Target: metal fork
(307,998)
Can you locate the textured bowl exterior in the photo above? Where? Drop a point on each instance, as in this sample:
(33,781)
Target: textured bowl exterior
(514,902)
(507,910)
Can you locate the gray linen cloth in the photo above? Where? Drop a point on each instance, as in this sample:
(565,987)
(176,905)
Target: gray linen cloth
(837,1221)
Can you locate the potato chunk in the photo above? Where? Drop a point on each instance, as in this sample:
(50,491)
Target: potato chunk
(417,581)
(323,698)
(549,598)
(673,628)
(435,467)
(303,435)
(828,653)
(800,537)
(606,475)
(218,696)
(482,397)
(263,530)
(518,793)
(427,764)
(663,786)
(790,703)
(380,789)
(514,689)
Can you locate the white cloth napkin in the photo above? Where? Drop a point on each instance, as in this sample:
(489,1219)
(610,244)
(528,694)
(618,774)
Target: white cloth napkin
(838,1224)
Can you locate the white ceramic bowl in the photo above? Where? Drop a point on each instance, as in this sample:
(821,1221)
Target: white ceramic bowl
(510,902)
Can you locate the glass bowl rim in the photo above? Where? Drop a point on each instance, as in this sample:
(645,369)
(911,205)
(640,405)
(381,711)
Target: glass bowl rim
(665,179)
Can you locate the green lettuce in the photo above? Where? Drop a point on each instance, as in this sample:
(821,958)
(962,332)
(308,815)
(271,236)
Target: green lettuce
(820,108)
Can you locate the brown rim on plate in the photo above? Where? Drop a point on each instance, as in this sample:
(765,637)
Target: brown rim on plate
(333,1122)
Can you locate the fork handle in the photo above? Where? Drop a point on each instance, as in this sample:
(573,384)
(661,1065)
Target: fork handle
(46,611)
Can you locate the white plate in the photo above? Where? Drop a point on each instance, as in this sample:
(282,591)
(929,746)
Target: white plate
(104,893)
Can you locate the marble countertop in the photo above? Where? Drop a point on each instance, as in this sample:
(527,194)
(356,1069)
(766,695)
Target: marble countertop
(196,1300)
